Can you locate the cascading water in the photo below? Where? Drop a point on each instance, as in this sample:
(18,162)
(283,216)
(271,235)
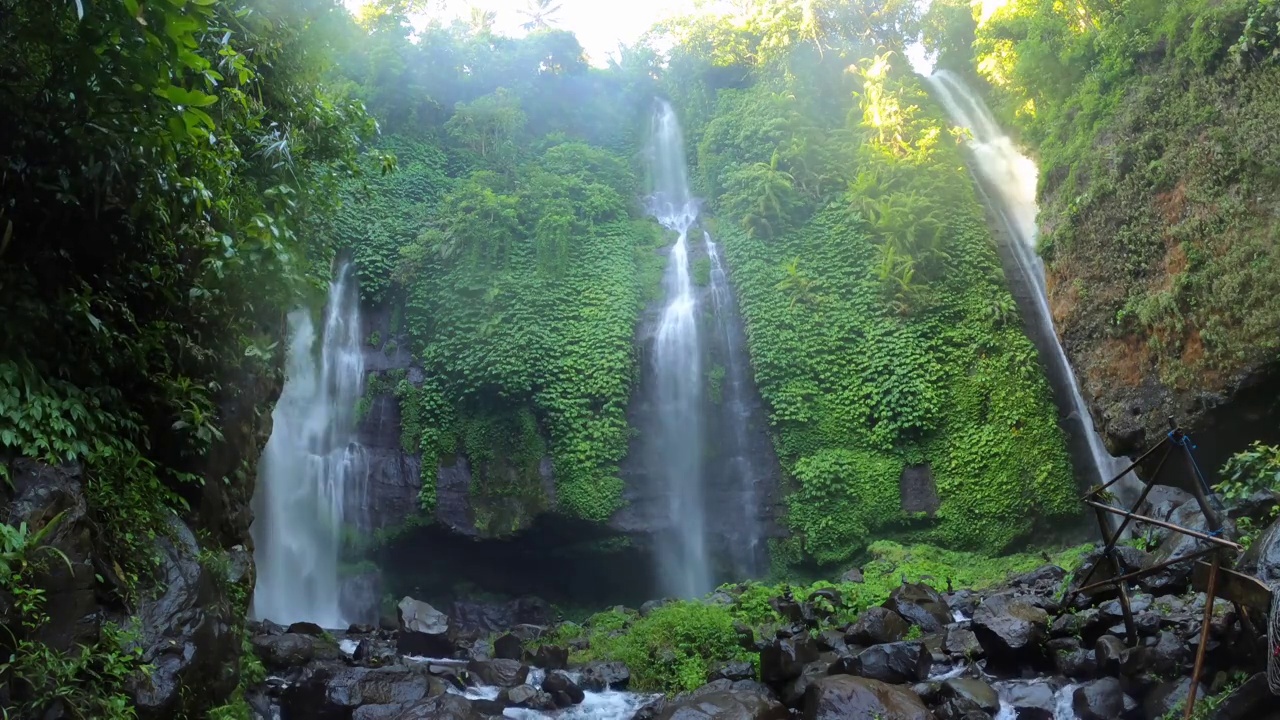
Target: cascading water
(312,474)
(684,565)
(1008,179)
(735,393)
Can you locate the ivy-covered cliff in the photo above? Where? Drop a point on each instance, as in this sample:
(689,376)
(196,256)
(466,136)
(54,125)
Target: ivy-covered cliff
(1152,124)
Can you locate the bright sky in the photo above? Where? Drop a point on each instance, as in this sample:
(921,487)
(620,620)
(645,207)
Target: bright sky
(599,24)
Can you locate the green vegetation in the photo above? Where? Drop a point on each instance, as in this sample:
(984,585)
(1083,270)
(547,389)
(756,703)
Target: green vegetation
(1158,169)
(880,329)
(1247,473)
(671,649)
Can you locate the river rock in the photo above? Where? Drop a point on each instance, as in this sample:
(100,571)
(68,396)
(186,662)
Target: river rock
(1108,652)
(723,705)
(508,647)
(844,697)
(784,659)
(1011,631)
(1177,577)
(424,630)
(444,707)
(877,625)
(335,691)
(1168,655)
(900,662)
(1262,559)
(961,642)
(1131,559)
(1168,696)
(306,628)
(499,673)
(562,689)
(1099,700)
(527,696)
(551,657)
(486,618)
(793,691)
(976,691)
(600,676)
(920,605)
(732,671)
(280,652)
(1030,700)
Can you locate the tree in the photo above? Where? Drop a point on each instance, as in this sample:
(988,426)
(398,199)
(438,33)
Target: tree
(540,14)
(481,21)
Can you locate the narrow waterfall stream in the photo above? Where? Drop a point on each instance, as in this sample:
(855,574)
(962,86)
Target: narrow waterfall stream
(1008,179)
(683,563)
(735,393)
(312,474)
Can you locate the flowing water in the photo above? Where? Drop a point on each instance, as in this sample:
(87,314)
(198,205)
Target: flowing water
(1008,179)
(736,391)
(312,474)
(684,565)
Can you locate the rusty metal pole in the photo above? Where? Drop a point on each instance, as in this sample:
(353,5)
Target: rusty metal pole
(1130,628)
(1209,597)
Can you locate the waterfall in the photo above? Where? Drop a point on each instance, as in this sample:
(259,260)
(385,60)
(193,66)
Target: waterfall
(684,566)
(312,474)
(1009,179)
(736,392)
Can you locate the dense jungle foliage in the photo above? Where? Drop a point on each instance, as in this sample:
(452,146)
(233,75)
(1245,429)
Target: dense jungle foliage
(1151,122)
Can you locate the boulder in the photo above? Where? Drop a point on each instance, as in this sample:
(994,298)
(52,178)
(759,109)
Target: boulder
(328,692)
(785,658)
(424,630)
(920,605)
(1108,652)
(1250,701)
(793,691)
(1262,559)
(562,689)
(527,696)
(1167,697)
(961,642)
(508,647)
(727,704)
(900,662)
(499,673)
(306,628)
(280,652)
(487,618)
(975,691)
(852,576)
(185,632)
(732,671)
(600,676)
(843,697)
(1030,700)
(1098,700)
(1176,578)
(1131,560)
(551,657)
(1076,664)
(1011,631)
(444,707)
(877,625)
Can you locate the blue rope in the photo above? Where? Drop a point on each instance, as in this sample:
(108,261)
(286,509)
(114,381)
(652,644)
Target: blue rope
(1186,442)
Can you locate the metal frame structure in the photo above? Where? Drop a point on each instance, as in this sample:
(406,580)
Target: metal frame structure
(1175,443)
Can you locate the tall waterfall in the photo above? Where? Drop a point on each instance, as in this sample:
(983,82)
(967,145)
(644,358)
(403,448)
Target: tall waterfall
(312,474)
(1008,179)
(684,565)
(735,395)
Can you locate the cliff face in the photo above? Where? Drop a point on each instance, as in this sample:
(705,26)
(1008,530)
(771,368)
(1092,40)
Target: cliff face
(1164,265)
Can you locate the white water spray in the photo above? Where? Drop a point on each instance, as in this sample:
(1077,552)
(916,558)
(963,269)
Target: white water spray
(312,473)
(684,565)
(1011,178)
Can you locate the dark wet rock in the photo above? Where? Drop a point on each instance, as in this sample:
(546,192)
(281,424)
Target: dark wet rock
(444,707)
(1262,559)
(1076,664)
(1167,655)
(1011,631)
(975,691)
(551,657)
(963,602)
(1176,578)
(1047,577)
(960,709)
(962,642)
(563,689)
(599,676)
(183,634)
(1131,559)
(1168,696)
(746,636)
(333,692)
(1030,700)
(1099,700)
(508,647)
(1250,701)
(527,633)
(280,652)
(833,640)
(877,625)
(784,659)
(651,605)
(793,691)
(499,673)
(306,628)
(361,629)
(727,704)
(920,605)
(732,671)
(498,617)
(1108,652)
(527,696)
(843,697)
(792,610)
(377,712)
(900,662)
(928,691)
(424,630)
